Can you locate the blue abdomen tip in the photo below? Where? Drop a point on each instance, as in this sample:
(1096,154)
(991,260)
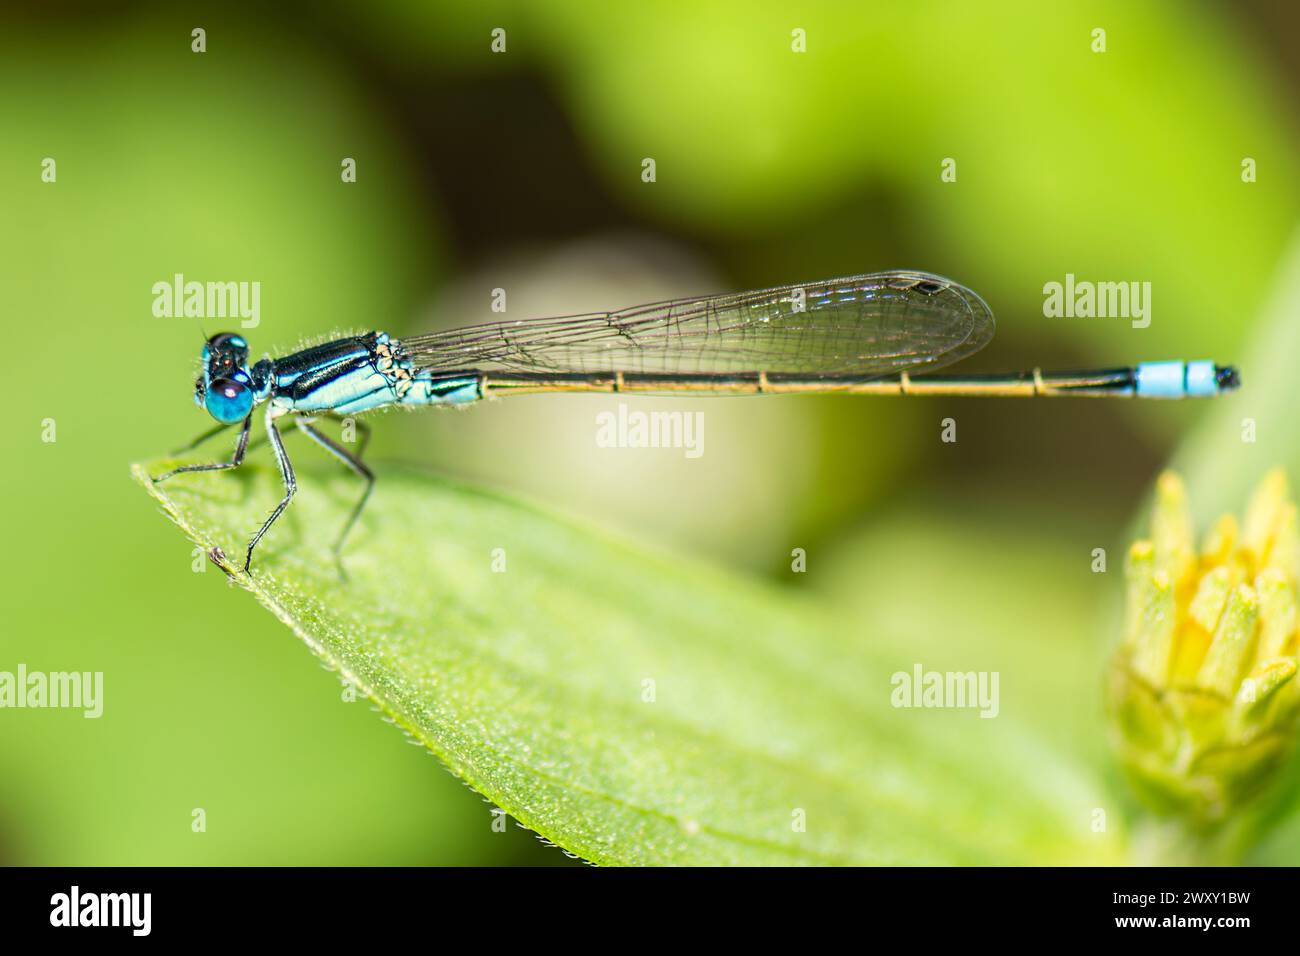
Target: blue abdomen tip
(1200,379)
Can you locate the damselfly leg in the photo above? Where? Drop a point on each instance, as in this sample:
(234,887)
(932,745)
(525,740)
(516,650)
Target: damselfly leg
(245,445)
(241,447)
(362,428)
(286,474)
(352,461)
(210,433)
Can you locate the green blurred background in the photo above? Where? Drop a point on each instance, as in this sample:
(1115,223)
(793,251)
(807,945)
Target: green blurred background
(522,170)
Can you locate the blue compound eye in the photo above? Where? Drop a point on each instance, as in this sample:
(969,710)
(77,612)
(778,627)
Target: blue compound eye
(227,340)
(228,401)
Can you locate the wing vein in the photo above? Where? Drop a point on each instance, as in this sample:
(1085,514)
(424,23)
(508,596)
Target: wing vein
(868,325)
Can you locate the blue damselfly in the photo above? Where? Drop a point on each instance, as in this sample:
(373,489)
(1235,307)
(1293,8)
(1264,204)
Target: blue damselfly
(861,335)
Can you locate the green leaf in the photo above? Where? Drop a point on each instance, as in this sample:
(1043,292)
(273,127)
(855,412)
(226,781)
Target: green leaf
(632,707)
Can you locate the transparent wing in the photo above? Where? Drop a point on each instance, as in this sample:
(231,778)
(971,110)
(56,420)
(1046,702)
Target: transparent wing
(867,325)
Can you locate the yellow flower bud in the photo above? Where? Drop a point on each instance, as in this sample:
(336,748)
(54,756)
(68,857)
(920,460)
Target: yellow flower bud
(1203,692)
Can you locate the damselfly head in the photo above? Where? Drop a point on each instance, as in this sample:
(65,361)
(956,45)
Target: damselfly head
(225,388)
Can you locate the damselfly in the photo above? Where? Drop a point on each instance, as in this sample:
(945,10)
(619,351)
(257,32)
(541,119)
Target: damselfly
(861,335)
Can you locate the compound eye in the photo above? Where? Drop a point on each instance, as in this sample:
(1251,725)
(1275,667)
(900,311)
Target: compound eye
(228,342)
(228,401)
